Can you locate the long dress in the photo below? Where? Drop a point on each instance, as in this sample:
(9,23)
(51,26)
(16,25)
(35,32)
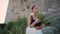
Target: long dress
(30,30)
(33,31)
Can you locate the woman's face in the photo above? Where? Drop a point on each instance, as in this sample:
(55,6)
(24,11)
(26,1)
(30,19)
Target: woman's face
(35,9)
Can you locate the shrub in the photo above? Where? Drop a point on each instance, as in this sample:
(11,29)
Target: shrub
(54,26)
(19,26)
(43,19)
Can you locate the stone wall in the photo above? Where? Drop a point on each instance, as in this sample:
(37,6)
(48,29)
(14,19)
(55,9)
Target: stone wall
(19,8)
(53,8)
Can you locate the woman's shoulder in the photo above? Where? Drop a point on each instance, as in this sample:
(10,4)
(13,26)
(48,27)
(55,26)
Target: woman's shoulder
(29,16)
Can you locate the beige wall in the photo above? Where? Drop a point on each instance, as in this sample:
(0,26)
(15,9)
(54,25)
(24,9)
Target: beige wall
(3,10)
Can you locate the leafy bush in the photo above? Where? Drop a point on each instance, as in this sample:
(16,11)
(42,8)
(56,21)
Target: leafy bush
(43,19)
(19,26)
(54,26)
(50,30)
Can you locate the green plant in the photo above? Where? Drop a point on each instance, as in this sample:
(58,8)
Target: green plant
(19,26)
(54,26)
(43,19)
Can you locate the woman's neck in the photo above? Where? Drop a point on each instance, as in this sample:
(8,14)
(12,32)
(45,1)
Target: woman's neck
(34,14)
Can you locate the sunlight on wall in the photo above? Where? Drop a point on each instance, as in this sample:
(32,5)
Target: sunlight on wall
(3,10)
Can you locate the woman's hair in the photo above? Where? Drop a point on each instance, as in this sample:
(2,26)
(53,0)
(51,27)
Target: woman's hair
(33,7)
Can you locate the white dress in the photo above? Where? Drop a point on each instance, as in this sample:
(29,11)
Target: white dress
(33,31)
(38,32)
(30,30)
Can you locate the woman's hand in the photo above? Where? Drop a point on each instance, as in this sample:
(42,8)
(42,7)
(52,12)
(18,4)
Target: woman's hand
(31,26)
(43,25)
(36,20)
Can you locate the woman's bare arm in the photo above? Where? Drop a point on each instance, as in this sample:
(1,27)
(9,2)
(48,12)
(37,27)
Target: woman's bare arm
(36,21)
(29,21)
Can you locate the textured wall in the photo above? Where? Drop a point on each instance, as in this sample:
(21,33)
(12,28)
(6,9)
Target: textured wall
(18,8)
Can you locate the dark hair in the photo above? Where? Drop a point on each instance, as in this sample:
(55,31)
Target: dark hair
(33,7)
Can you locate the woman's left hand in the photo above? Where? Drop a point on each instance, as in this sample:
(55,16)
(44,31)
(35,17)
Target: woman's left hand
(31,26)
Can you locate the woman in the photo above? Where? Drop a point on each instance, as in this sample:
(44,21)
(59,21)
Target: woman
(33,21)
